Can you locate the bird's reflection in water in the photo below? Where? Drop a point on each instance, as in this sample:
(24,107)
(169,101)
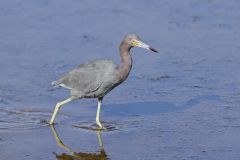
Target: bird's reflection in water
(100,155)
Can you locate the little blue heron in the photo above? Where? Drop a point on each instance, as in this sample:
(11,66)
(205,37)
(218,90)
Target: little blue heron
(96,78)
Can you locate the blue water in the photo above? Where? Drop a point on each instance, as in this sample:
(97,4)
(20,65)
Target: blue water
(154,108)
(182,103)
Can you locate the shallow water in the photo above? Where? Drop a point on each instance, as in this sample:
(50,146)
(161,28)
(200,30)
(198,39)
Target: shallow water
(179,104)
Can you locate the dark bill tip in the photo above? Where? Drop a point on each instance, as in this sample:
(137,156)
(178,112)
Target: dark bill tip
(154,50)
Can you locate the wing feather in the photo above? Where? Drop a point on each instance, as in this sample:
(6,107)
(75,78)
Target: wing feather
(87,77)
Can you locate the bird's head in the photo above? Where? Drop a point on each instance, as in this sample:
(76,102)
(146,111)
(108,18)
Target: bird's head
(134,41)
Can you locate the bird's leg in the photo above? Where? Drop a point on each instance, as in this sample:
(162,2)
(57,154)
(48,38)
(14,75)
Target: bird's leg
(98,114)
(58,106)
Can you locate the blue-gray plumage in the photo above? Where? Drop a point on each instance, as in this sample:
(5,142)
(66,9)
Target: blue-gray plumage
(90,80)
(96,78)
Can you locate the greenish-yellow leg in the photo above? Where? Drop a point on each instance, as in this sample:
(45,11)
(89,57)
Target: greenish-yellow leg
(58,106)
(98,114)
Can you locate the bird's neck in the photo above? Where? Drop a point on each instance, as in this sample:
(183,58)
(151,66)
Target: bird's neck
(126,62)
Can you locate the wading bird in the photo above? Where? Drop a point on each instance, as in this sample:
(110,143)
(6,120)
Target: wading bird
(96,78)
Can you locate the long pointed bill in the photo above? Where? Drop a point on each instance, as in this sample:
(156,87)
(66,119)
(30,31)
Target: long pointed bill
(143,45)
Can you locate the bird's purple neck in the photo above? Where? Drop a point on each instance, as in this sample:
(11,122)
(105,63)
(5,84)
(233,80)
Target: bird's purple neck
(126,62)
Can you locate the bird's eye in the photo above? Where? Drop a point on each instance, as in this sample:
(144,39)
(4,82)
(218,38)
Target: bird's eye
(134,42)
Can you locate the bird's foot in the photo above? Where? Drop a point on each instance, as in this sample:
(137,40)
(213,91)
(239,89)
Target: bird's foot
(101,127)
(51,122)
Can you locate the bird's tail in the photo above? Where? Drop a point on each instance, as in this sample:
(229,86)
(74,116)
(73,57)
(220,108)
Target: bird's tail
(56,83)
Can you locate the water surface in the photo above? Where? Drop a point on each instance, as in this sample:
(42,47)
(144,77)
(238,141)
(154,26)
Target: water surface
(179,104)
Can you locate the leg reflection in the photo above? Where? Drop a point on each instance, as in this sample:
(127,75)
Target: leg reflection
(101,155)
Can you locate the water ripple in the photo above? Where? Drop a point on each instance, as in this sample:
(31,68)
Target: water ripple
(22,120)
(90,125)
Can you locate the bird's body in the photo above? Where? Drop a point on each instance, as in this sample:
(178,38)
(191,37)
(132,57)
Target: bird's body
(96,78)
(90,80)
